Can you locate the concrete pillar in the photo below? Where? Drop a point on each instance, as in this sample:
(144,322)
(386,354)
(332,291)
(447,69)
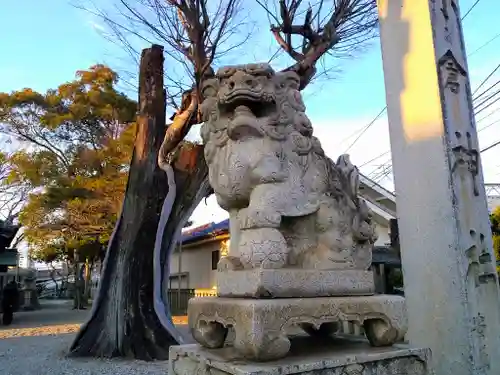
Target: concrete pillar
(451,286)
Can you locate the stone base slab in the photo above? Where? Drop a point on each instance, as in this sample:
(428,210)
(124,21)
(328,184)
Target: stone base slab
(335,357)
(291,283)
(261,325)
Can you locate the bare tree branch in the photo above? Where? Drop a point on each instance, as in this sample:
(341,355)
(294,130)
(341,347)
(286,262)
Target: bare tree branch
(340,27)
(13,195)
(194,34)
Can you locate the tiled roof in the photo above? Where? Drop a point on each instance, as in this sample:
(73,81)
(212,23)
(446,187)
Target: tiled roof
(204,231)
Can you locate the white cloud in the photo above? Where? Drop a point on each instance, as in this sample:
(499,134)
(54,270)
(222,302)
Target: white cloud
(339,136)
(97,26)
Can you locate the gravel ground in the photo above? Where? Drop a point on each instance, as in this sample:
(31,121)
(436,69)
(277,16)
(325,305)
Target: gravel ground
(37,342)
(46,355)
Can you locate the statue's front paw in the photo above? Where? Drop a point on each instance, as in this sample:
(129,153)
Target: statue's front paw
(262,248)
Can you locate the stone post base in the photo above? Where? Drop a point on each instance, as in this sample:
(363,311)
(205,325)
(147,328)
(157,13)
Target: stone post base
(260,325)
(30,300)
(335,357)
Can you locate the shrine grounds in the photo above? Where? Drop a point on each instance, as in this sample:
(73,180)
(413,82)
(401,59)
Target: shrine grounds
(37,343)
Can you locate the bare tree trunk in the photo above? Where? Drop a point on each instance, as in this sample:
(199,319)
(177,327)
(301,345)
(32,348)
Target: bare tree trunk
(89,266)
(130,317)
(78,292)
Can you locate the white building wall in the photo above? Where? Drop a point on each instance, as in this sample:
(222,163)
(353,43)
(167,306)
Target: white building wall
(383,235)
(197,263)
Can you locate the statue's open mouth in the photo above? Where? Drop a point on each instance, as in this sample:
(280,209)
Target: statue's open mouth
(257,104)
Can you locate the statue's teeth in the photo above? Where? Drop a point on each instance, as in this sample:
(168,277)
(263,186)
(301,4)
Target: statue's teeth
(242,108)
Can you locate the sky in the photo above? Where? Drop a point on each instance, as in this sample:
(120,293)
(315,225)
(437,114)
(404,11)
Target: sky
(45,42)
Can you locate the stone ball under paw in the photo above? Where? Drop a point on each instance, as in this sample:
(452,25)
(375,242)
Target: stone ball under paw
(263,248)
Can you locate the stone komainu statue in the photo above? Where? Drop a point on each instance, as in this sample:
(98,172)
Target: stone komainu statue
(289,204)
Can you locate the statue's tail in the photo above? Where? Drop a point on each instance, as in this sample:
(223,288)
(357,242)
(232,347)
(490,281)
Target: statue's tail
(363,227)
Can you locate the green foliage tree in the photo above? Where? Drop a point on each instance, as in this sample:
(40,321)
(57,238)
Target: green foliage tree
(495,229)
(75,144)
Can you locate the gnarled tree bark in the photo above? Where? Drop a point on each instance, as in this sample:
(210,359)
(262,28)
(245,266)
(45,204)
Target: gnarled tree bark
(130,316)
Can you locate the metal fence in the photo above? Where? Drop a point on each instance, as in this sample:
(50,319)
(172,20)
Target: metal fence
(178,300)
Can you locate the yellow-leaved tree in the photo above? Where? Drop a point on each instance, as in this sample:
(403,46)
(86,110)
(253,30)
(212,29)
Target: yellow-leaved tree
(74,145)
(495,229)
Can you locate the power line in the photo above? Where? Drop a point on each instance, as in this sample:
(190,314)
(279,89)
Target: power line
(477,108)
(488,106)
(375,158)
(376,171)
(490,147)
(485,91)
(365,129)
(479,130)
(487,78)
(489,125)
(486,100)
(385,172)
(354,133)
(484,45)
(488,115)
(470,9)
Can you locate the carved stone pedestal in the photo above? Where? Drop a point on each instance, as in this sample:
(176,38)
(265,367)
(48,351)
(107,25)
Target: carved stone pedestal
(321,357)
(260,324)
(292,282)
